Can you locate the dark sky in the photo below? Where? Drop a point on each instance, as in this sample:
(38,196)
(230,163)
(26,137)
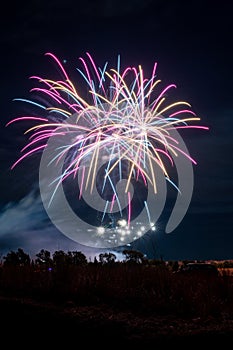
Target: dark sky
(192,43)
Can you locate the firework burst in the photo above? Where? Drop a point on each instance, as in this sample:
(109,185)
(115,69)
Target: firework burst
(123,120)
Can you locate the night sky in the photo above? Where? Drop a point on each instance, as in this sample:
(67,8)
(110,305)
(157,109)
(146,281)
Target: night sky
(192,43)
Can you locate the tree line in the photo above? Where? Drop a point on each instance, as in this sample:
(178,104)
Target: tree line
(44,259)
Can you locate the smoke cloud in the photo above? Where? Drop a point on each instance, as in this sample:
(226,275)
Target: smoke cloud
(25,224)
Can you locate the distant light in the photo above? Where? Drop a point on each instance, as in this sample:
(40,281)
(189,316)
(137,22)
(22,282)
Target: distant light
(122,222)
(100,230)
(152,225)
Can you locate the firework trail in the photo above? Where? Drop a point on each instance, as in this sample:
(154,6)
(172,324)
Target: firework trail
(120,116)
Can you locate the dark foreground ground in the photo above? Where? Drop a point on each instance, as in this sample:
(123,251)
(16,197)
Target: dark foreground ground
(31,324)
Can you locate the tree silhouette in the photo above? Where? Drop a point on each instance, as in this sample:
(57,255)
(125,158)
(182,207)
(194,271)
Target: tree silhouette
(77,258)
(60,259)
(107,258)
(44,259)
(18,258)
(133,256)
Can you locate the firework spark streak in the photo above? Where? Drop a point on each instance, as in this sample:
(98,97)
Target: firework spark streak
(123,122)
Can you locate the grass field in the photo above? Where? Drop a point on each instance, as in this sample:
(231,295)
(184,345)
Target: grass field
(130,303)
